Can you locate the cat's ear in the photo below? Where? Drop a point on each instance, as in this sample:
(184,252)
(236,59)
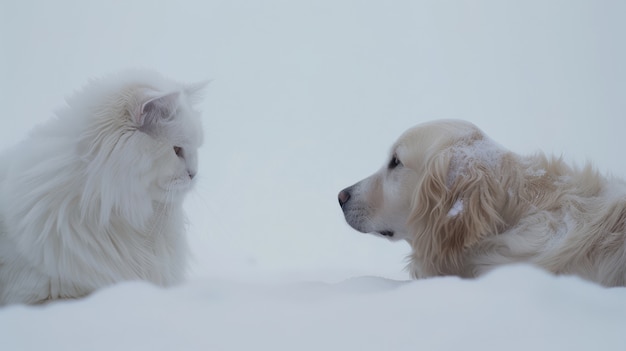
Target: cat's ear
(195,91)
(156,105)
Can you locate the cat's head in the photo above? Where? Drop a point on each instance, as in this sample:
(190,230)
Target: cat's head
(140,144)
(175,133)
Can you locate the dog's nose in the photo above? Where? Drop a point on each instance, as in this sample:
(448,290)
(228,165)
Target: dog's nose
(344,196)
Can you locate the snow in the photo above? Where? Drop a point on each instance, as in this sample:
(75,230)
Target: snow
(484,151)
(305,99)
(456,208)
(514,308)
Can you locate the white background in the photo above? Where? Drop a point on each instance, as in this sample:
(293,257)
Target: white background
(307,97)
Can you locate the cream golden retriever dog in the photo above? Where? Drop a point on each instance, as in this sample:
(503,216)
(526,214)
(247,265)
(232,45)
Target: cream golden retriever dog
(467,205)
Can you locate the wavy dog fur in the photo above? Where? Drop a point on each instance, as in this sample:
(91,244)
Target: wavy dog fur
(467,205)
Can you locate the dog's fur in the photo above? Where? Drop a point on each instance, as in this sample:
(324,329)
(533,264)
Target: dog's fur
(466,205)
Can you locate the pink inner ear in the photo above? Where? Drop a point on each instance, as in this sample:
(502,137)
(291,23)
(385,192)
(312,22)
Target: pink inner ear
(163,103)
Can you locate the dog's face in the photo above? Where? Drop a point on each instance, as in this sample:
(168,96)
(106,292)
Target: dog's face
(381,203)
(385,203)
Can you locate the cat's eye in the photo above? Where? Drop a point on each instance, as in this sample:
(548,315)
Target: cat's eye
(178,151)
(394,162)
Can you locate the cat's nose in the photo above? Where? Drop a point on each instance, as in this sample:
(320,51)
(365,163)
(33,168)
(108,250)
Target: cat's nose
(191,174)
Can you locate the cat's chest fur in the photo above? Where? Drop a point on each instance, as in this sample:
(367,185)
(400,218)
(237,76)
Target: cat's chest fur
(113,254)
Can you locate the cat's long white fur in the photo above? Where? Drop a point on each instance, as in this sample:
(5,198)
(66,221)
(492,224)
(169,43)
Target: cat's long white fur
(94,196)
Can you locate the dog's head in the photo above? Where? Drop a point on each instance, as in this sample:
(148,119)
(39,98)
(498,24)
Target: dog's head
(439,190)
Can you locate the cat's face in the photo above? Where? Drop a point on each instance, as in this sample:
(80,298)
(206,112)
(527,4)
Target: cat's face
(174,132)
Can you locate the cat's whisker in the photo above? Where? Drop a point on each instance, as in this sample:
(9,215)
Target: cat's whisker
(198,193)
(161,213)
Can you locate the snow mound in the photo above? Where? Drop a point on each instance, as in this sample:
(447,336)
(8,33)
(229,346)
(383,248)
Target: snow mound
(513,308)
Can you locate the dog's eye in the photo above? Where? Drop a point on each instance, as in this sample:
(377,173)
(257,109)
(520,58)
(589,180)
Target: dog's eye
(395,162)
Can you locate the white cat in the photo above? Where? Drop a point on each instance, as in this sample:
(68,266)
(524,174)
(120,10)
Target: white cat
(94,196)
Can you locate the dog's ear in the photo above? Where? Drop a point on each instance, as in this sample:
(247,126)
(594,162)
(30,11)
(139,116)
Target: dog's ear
(455,206)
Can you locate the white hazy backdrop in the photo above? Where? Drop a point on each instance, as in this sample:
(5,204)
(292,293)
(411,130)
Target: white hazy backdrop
(306,98)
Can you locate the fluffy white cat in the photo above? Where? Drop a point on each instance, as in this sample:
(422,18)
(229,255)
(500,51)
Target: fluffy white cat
(94,196)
